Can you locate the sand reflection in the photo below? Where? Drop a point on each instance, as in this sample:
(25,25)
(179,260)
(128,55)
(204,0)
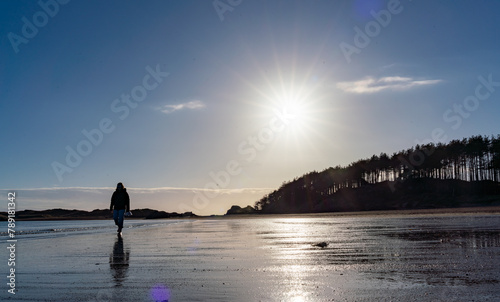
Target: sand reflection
(296,276)
(118,262)
(292,249)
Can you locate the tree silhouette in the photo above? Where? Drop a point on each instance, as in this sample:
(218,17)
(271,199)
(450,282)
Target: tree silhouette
(471,159)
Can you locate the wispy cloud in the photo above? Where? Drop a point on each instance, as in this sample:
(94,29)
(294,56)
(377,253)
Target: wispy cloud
(176,107)
(389,66)
(170,199)
(374,85)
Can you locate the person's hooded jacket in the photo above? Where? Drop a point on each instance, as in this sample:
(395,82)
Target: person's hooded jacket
(120,199)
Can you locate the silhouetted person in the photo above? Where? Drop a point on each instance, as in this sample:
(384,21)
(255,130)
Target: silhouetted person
(118,262)
(120,203)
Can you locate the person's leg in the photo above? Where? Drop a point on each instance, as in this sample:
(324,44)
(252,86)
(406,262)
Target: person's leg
(120,219)
(115,216)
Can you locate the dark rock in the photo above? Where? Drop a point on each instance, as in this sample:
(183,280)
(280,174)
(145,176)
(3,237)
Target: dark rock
(321,244)
(239,210)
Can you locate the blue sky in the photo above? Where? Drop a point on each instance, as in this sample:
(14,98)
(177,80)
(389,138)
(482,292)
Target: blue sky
(263,91)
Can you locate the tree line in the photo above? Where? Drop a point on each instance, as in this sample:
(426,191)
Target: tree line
(476,158)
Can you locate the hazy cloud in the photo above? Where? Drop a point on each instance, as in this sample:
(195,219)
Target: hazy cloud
(170,199)
(176,107)
(373,85)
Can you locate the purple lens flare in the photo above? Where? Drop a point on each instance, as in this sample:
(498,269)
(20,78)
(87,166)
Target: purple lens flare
(160,293)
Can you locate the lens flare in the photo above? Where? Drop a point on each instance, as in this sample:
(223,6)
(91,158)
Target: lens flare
(160,293)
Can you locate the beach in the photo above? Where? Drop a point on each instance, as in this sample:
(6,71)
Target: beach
(380,257)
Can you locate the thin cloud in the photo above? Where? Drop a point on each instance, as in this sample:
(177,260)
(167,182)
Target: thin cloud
(135,189)
(173,190)
(373,85)
(167,109)
(171,199)
(389,66)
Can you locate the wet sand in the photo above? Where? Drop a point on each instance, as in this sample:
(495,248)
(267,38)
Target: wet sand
(437,257)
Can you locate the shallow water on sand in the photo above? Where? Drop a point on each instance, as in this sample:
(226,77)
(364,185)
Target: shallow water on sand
(370,258)
(47,228)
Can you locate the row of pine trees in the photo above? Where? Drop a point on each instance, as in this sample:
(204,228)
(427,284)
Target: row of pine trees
(471,159)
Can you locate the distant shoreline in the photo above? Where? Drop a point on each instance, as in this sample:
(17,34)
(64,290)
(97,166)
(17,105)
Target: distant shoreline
(97,214)
(490,210)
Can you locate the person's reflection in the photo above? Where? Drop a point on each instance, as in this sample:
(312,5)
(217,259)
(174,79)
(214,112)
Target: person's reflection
(118,262)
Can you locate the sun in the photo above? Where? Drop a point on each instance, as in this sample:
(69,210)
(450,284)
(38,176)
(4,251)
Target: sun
(295,106)
(296,114)
(295,102)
